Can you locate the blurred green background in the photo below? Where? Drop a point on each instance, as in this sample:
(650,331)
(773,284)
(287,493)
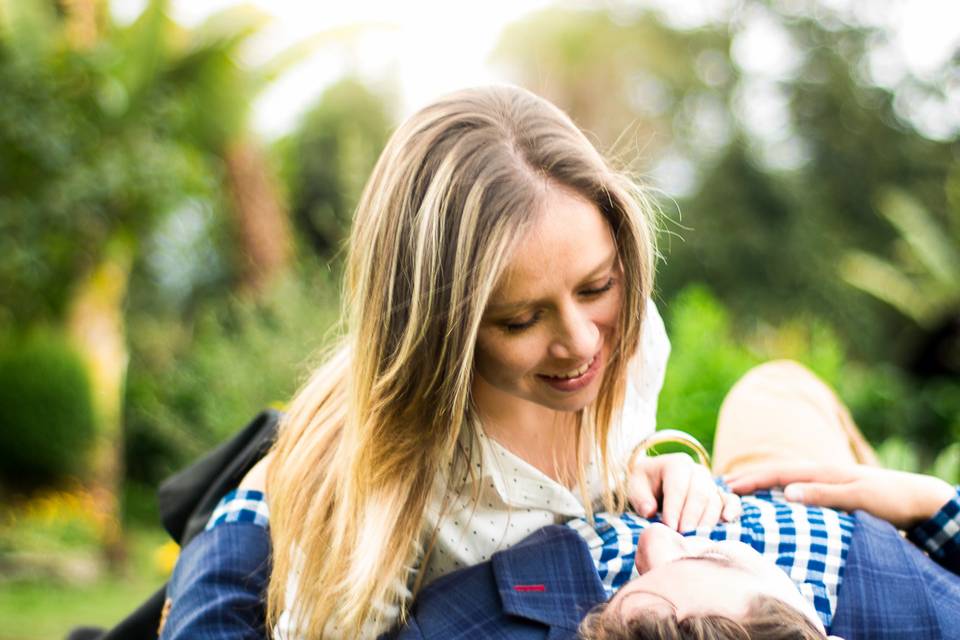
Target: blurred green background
(165,272)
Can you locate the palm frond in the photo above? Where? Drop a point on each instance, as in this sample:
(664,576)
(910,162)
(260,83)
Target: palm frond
(886,282)
(932,247)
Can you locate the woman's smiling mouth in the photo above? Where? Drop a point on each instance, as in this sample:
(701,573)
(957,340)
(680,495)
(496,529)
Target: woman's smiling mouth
(575,379)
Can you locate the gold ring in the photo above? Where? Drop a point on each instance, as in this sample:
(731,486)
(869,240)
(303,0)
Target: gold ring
(672,436)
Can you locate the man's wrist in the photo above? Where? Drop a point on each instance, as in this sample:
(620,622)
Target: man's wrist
(939,535)
(931,498)
(241,505)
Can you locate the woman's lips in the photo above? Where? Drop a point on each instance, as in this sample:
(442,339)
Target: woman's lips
(577,383)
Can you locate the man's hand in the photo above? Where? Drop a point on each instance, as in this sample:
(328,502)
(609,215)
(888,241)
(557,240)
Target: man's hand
(690,497)
(902,499)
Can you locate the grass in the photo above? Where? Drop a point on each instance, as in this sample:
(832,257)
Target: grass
(47,610)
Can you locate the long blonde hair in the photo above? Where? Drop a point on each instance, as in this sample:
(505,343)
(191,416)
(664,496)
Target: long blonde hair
(385,418)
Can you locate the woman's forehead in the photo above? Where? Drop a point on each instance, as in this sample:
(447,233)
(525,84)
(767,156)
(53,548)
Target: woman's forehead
(568,240)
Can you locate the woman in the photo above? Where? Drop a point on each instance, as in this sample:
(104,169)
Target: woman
(502,360)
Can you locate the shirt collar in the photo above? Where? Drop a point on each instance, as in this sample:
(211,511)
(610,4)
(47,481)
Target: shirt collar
(548,577)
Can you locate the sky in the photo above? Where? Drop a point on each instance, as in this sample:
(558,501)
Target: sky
(425,48)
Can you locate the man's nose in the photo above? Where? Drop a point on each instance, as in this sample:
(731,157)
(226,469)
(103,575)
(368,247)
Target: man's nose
(578,337)
(658,544)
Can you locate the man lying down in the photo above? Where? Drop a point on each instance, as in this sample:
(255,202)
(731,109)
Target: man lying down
(785,570)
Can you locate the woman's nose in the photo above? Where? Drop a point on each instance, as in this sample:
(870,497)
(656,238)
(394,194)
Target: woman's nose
(658,545)
(579,337)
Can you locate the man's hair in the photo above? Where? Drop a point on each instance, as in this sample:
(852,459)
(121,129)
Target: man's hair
(767,618)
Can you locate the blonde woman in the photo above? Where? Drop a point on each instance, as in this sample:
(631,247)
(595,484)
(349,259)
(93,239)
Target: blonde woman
(502,359)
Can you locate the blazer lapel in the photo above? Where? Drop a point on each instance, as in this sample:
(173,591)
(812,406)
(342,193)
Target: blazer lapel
(549,577)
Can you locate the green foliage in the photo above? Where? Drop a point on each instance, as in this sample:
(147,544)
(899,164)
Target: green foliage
(50,521)
(622,75)
(757,231)
(89,149)
(330,157)
(925,286)
(47,609)
(709,354)
(705,361)
(109,140)
(46,415)
(897,453)
(887,403)
(777,173)
(190,387)
(947,464)
(923,283)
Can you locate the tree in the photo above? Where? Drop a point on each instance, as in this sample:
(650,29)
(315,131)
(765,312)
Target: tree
(104,131)
(775,167)
(923,283)
(329,158)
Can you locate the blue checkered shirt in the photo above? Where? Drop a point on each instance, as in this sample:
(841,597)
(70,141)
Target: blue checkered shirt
(240,505)
(940,535)
(809,543)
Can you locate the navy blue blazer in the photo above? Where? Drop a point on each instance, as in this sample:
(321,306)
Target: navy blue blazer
(892,590)
(542,587)
(218,585)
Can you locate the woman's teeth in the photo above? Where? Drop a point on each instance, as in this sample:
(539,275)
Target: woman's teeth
(576,373)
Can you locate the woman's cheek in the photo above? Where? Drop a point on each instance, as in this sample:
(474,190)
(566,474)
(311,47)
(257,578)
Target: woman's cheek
(609,318)
(492,357)
(527,356)
(507,358)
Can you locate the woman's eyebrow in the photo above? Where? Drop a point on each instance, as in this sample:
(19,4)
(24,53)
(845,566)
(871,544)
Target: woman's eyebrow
(603,266)
(503,307)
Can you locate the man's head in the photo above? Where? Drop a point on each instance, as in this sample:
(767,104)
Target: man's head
(696,588)
(767,618)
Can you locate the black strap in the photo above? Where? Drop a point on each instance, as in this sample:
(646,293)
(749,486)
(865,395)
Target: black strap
(187,498)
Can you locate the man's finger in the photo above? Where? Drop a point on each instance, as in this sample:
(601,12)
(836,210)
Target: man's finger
(782,475)
(835,496)
(752,482)
(772,466)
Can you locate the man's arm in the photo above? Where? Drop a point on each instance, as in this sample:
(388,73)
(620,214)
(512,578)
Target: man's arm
(927,508)
(217,587)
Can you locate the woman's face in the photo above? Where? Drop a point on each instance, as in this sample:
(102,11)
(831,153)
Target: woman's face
(548,329)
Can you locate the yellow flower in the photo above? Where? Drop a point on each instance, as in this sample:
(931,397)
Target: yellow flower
(165,557)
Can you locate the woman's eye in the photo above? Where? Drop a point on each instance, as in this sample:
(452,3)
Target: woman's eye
(516,327)
(595,292)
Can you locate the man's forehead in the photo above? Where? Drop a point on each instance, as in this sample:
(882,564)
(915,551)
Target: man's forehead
(691,581)
(649,600)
